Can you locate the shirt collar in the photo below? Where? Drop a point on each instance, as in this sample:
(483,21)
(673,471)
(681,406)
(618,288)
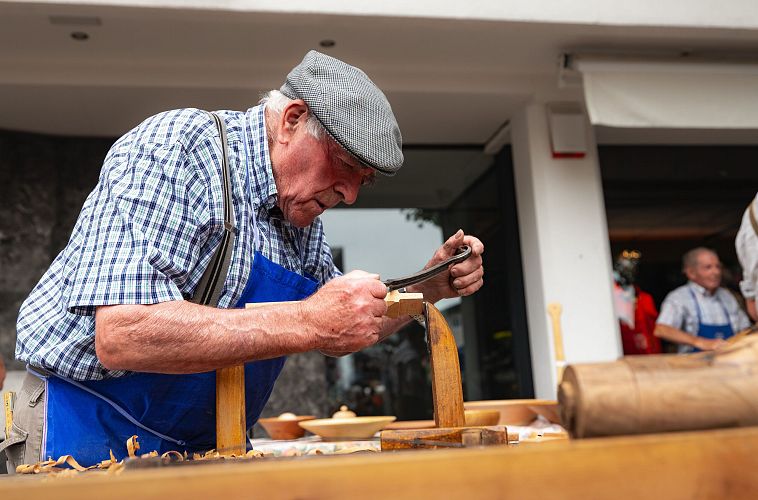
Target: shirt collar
(700,290)
(262,182)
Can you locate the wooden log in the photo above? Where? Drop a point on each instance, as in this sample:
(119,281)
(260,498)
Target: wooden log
(447,392)
(662,393)
(444,437)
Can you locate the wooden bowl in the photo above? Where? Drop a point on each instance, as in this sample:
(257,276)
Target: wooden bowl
(346,428)
(547,409)
(284,428)
(512,411)
(482,417)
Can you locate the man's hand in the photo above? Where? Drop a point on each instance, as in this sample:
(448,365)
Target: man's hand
(705,344)
(461,279)
(346,314)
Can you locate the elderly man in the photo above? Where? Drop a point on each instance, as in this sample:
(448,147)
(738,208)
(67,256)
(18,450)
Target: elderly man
(746,245)
(700,314)
(115,333)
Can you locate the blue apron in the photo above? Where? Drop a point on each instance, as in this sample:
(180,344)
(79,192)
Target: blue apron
(167,412)
(710,331)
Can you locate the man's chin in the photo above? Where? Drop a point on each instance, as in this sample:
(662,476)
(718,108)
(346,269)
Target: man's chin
(302,220)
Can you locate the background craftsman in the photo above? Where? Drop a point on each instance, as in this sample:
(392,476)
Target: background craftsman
(113,343)
(701,314)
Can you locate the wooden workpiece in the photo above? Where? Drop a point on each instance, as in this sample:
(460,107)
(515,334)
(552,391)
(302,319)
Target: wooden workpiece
(663,393)
(705,464)
(447,394)
(231,432)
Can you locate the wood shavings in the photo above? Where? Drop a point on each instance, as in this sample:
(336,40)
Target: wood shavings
(52,466)
(113,466)
(131,446)
(173,456)
(355,449)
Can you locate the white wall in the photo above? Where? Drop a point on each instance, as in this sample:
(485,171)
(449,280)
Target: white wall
(693,13)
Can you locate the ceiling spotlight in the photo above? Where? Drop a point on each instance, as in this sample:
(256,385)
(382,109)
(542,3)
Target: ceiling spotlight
(79,36)
(327,43)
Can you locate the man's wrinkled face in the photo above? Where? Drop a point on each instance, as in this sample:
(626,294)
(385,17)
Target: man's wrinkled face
(706,272)
(315,175)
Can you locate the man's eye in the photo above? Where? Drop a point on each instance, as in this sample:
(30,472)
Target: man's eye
(369,180)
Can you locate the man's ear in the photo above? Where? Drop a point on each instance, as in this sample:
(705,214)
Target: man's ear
(293,116)
(689,273)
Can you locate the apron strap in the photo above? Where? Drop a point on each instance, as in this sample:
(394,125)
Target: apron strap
(209,287)
(723,308)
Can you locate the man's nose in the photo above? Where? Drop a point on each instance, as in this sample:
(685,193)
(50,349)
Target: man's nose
(349,191)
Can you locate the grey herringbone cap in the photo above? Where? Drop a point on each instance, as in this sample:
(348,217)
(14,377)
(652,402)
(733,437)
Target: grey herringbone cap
(351,108)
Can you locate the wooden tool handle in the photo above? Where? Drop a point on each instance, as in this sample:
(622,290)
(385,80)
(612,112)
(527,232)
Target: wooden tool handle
(8,405)
(554,310)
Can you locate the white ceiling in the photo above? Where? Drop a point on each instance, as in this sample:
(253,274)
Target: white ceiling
(451,82)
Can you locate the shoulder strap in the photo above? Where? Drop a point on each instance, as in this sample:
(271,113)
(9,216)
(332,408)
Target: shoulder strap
(209,288)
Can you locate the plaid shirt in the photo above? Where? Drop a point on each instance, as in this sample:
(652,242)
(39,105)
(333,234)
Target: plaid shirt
(149,228)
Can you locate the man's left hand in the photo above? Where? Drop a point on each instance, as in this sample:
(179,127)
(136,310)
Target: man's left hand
(460,279)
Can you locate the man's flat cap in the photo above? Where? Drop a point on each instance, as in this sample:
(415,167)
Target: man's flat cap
(351,108)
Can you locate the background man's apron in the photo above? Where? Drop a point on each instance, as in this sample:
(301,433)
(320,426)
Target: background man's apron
(712,331)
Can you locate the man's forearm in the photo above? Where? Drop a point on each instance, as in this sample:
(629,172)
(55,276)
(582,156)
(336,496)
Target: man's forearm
(751,309)
(182,337)
(675,335)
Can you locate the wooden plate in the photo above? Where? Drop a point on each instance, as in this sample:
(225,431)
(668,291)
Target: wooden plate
(512,411)
(547,409)
(474,418)
(410,424)
(346,428)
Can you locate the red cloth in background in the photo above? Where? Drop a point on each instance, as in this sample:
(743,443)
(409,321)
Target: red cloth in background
(640,339)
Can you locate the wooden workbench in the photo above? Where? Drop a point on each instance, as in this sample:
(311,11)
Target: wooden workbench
(705,464)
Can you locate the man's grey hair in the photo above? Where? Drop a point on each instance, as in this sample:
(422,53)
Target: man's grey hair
(276,101)
(689,260)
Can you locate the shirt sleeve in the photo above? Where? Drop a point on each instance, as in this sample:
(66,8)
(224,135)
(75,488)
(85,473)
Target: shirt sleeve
(141,229)
(672,313)
(736,314)
(746,245)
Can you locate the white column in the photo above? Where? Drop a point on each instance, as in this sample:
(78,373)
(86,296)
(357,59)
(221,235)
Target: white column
(564,247)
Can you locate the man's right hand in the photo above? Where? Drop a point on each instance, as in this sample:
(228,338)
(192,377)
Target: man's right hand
(346,314)
(705,344)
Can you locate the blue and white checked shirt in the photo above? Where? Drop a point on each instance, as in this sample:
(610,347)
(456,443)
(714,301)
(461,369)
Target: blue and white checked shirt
(149,228)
